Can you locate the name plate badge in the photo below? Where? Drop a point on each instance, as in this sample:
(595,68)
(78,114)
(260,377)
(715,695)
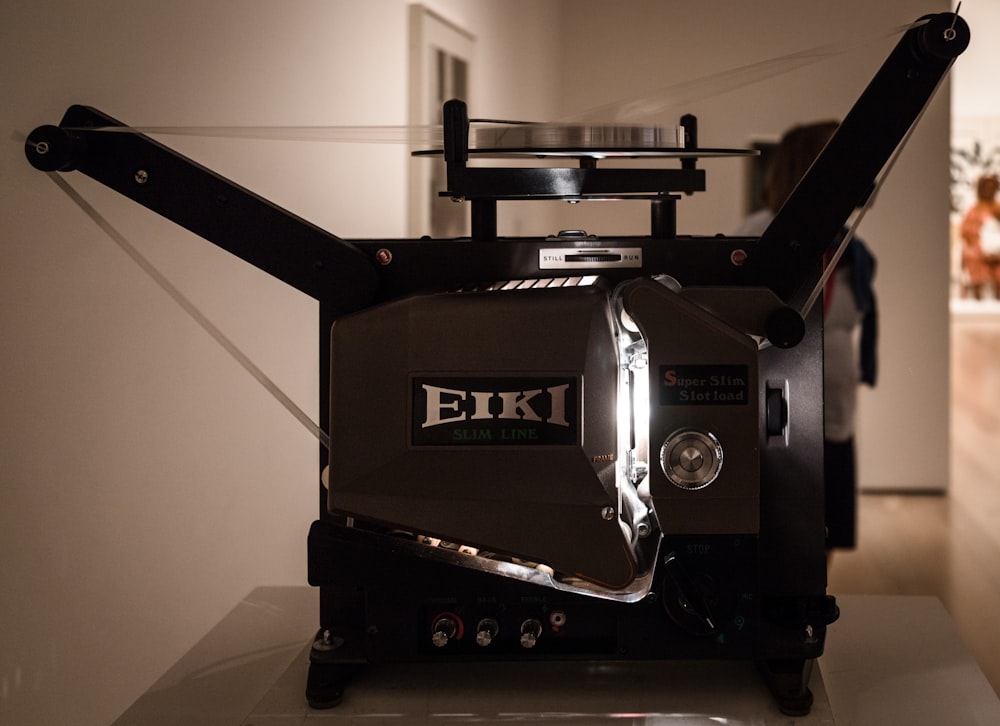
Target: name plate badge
(515,411)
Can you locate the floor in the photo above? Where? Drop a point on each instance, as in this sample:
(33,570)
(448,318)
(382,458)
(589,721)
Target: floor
(946,545)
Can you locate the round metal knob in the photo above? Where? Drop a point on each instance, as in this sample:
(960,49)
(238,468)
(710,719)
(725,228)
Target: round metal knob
(486,631)
(445,628)
(691,459)
(531,630)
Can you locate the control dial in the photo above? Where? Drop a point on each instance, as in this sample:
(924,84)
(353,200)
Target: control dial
(691,459)
(689,600)
(531,631)
(486,631)
(445,628)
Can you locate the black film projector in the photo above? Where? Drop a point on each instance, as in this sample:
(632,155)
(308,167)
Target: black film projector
(566,447)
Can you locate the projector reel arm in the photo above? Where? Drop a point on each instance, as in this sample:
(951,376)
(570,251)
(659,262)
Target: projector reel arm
(789,255)
(272,239)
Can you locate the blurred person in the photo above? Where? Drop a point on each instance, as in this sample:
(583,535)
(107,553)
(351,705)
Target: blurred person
(980,232)
(850,329)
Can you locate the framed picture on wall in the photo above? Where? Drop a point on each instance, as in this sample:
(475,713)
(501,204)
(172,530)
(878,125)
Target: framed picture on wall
(975,160)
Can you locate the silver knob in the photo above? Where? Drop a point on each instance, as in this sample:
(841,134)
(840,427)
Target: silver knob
(445,628)
(691,459)
(531,630)
(486,631)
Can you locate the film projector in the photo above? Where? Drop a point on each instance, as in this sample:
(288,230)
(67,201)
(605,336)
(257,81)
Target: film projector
(569,447)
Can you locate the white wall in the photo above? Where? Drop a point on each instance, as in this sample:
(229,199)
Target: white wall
(147,482)
(974,87)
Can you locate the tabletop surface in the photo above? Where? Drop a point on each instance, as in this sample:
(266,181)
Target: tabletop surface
(888,660)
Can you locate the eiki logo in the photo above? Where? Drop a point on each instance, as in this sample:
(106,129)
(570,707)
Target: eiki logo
(494,411)
(451,405)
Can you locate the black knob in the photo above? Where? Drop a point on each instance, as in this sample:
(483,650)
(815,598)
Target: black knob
(51,148)
(944,37)
(784,328)
(775,411)
(688,600)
